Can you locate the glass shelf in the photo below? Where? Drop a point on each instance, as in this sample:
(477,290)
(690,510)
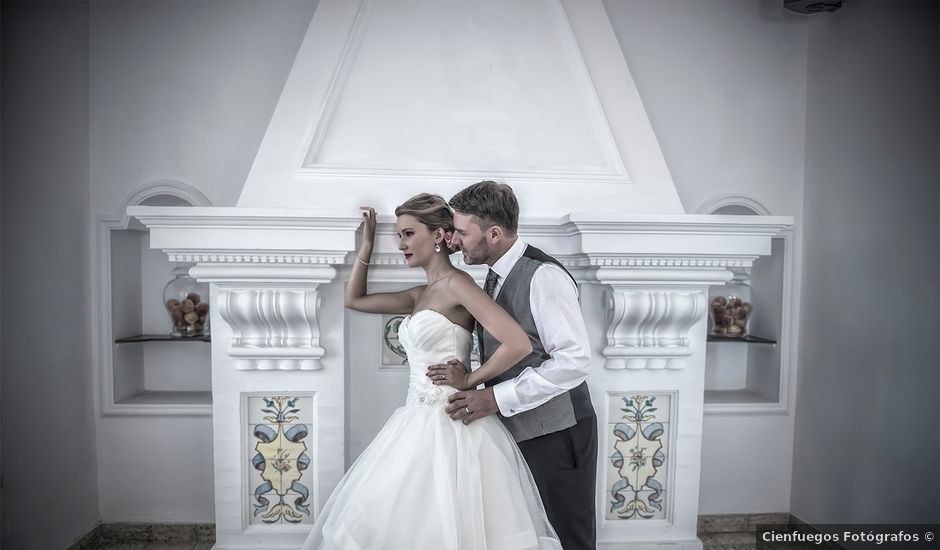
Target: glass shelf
(160,338)
(748,339)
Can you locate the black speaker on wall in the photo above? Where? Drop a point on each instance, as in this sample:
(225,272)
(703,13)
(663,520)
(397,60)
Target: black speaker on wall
(810,7)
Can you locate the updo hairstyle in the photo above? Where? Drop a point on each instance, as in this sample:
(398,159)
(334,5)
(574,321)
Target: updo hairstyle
(431,210)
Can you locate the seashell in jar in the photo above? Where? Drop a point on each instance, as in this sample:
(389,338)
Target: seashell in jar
(172,303)
(194,297)
(202,308)
(721,300)
(739,313)
(747,306)
(191,317)
(735,330)
(727,321)
(177,313)
(188,305)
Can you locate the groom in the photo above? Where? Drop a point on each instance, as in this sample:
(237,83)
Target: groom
(543,400)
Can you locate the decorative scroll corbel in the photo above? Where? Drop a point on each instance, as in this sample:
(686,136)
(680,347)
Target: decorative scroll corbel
(649,328)
(275,325)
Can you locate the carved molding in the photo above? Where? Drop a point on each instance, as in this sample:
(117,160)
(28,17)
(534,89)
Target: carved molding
(395,260)
(249,257)
(272,328)
(660,261)
(649,329)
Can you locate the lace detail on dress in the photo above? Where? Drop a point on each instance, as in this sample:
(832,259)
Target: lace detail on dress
(428,397)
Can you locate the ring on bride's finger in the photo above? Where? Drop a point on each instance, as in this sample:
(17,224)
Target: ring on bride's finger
(468,410)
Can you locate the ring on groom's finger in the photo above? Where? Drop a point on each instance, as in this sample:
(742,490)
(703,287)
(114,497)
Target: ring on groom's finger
(468,410)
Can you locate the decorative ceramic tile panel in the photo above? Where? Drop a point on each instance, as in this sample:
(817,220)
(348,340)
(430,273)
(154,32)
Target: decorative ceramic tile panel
(280,474)
(637,433)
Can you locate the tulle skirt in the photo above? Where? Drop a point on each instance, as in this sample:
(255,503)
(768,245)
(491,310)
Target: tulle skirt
(427,482)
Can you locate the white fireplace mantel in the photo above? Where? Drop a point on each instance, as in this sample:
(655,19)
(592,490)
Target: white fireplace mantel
(323,236)
(646,276)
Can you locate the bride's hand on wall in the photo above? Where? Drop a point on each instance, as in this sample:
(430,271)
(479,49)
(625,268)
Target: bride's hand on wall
(368,224)
(453,373)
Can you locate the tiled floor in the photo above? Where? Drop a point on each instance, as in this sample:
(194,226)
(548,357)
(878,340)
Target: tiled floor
(716,541)
(729,541)
(105,545)
(717,532)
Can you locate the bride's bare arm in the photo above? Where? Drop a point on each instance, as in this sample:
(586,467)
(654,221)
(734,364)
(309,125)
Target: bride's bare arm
(356,296)
(514,343)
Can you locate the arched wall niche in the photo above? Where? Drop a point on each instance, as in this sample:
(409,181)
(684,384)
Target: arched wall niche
(736,205)
(140,373)
(746,377)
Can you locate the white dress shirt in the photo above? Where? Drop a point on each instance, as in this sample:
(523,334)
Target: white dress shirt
(553,297)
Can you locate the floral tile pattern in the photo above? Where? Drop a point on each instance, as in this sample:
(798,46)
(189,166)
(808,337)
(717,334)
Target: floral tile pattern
(279,429)
(637,433)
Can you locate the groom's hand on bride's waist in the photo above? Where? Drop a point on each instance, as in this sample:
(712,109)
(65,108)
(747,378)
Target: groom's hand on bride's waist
(468,406)
(452,373)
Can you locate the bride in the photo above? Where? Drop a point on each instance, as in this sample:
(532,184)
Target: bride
(427,482)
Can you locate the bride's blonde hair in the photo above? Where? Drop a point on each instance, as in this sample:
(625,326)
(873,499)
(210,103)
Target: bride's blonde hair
(431,210)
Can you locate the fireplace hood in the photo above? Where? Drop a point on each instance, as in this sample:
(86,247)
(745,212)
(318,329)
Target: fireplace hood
(389,98)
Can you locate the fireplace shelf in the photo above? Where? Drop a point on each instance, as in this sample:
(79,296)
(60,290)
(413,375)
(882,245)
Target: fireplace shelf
(139,338)
(749,339)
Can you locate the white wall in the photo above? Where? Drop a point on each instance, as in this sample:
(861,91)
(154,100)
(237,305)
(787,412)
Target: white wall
(50,489)
(183,91)
(724,84)
(179,91)
(867,411)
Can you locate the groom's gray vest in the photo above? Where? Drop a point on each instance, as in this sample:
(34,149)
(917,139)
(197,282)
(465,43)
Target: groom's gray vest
(562,411)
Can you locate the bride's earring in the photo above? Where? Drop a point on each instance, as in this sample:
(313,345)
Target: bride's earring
(437,247)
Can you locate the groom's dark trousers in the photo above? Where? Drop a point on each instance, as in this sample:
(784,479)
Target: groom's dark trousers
(563,465)
(559,437)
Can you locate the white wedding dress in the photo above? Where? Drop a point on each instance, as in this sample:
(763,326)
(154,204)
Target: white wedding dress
(427,482)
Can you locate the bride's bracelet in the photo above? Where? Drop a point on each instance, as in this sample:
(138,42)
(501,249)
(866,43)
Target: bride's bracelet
(363,262)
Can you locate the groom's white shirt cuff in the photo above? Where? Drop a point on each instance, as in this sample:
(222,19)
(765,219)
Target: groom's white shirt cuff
(553,298)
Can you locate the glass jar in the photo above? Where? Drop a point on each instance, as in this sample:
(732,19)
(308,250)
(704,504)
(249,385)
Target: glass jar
(730,308)
(187,303)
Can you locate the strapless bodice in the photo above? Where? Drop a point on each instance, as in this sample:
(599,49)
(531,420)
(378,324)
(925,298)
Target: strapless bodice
(428,338)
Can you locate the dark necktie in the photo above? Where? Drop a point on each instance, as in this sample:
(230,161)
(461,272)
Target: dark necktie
(489,286)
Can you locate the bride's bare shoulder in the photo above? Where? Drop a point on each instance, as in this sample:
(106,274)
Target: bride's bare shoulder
(461,279)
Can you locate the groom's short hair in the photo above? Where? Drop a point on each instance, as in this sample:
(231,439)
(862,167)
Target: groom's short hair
(491,202)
